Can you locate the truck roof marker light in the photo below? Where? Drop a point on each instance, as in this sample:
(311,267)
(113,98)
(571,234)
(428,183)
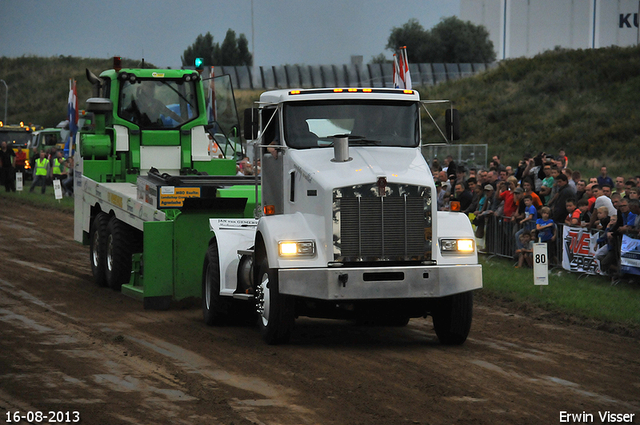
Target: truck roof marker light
(117,63)
(269,210)
(352,90)
(407,91)
(294,92)
(367,90)
(338,90)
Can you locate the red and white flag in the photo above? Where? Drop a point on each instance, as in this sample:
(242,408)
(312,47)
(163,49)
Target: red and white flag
(405,75)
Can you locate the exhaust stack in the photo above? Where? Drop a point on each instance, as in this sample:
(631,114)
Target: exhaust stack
(341,149)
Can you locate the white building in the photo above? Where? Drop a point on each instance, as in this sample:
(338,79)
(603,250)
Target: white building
(528,27)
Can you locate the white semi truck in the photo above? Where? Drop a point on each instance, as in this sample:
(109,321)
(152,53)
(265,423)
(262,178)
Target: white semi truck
(348,225)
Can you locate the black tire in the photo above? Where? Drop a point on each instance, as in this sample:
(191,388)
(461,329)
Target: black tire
(215,308)
(452,318)
(118,254)
(98,248)
(276,314)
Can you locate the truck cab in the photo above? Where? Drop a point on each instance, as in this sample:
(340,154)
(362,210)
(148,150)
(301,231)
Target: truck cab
(349,226)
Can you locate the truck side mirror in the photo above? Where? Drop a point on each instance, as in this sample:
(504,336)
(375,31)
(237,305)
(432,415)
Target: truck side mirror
(452,124)
(251,123)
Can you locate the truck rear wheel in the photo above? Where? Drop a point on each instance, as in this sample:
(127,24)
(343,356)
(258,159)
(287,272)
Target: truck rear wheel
(452,318)
(118,258)
(275,310)
(215,308)
(98,248)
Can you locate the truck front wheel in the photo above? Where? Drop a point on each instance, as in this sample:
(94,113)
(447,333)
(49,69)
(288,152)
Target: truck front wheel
(275,310)
(452,318)
(98,248)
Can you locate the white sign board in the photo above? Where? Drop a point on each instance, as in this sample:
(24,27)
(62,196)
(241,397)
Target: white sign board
(19,181)
(57,189)
(540,264)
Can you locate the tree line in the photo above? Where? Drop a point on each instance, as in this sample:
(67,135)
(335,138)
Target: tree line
(450,41)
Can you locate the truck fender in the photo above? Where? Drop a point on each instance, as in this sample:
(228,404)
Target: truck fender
(231,235)
(454,225)
(290,227)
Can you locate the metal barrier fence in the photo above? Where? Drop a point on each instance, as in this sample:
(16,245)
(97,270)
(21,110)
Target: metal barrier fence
(500,237)
(366,75)
(471,155)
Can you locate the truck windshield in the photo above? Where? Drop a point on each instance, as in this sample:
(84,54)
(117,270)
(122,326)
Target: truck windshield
(158,104)
(15,138)
(386,123)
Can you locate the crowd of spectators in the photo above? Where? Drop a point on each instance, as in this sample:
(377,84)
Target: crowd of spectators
(539,193)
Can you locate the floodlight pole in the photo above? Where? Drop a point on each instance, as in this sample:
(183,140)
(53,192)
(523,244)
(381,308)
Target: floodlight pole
(6,96)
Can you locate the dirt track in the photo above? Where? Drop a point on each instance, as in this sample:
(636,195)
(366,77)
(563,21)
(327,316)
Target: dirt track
(68,346)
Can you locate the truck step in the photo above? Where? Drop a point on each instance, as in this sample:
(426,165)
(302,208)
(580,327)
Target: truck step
(136,292)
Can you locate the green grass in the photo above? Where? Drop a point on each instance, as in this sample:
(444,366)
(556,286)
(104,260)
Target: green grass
(584,298)
(36,199)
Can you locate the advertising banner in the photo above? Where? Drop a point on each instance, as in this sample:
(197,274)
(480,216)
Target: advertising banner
(579,248)
(630,255)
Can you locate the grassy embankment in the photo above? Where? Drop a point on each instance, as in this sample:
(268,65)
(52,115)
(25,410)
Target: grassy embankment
(585,101)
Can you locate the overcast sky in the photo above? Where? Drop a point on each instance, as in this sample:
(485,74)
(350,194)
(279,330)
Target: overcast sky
(308,32)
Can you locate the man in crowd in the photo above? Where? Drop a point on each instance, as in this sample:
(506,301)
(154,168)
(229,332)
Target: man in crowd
(496,163)
(547,184)
(7,161)
(492,179)
(463,196)
(619,188)
(564,192)
(603,178)
(581,188)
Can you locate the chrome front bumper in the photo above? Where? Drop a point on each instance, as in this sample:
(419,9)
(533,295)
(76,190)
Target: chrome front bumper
(380,282)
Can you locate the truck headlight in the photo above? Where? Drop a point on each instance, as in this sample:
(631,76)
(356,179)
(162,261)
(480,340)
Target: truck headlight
(296,248)
(457,246)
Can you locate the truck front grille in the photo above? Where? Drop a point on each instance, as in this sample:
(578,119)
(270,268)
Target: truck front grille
(394,227)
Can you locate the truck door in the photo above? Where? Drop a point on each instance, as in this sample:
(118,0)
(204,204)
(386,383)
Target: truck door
(272,165)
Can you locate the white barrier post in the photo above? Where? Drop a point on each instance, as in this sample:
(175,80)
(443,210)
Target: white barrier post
(540,265)
(57,189)
(19,182)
